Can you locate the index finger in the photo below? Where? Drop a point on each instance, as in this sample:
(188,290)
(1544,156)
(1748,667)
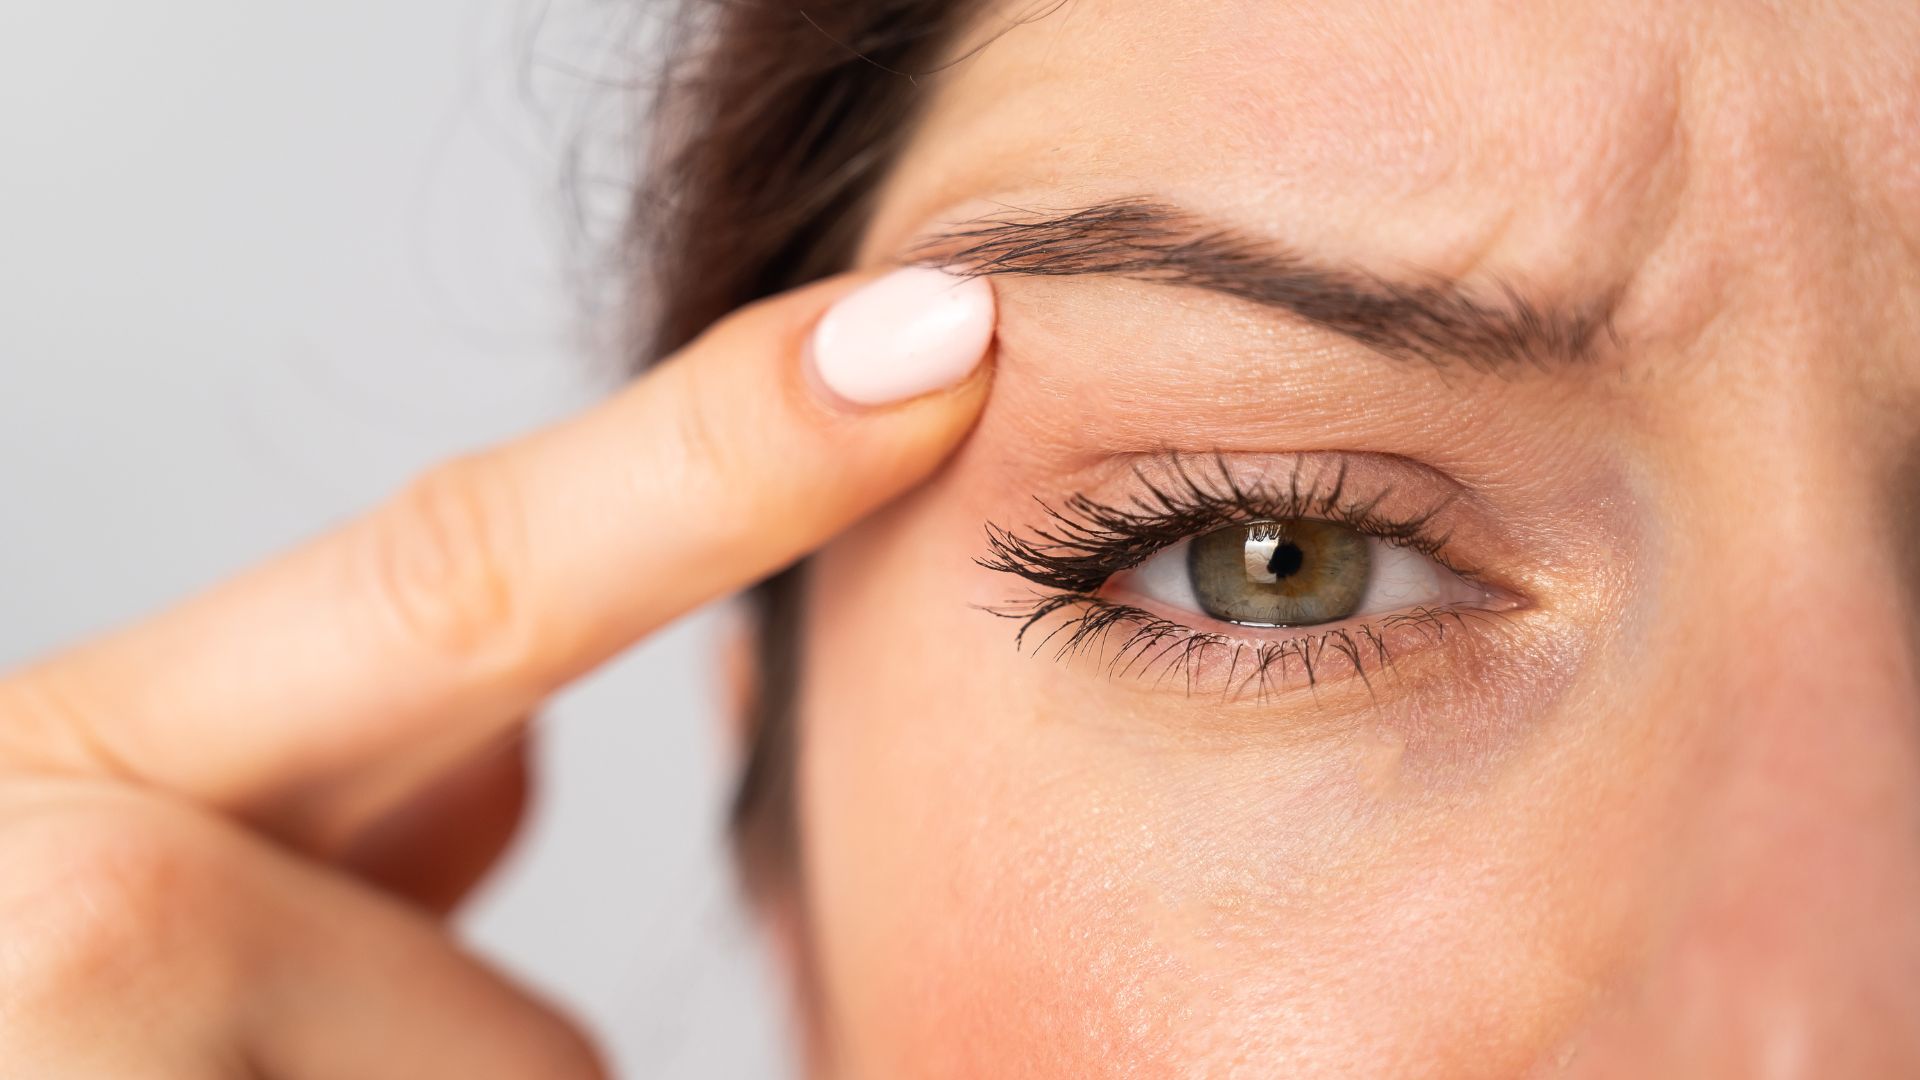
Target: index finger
(312,692)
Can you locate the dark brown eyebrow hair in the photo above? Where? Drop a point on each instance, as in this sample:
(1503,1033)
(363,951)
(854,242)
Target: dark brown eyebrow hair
(1431,319)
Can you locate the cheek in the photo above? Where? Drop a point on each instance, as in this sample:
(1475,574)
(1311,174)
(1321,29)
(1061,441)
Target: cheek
(965,916)
(1009,874)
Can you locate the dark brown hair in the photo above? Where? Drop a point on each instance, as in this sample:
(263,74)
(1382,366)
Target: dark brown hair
(774,122)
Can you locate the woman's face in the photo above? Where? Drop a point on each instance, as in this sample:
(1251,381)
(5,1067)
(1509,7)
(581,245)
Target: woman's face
(1589,736)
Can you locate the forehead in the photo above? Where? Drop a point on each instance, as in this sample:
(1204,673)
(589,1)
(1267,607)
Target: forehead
(1561,139)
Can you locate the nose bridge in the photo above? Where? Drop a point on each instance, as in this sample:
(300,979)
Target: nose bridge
(1805,898)
(1786,940)
(1814,659)
(1776,930)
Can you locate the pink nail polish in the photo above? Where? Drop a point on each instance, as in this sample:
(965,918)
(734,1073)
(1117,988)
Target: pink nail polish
(913,331)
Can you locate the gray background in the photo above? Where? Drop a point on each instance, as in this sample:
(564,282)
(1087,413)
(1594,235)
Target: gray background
(260,261)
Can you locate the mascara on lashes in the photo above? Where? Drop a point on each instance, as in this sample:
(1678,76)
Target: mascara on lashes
(1085,542)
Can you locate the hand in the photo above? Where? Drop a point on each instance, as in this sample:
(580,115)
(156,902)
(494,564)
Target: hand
(226,832)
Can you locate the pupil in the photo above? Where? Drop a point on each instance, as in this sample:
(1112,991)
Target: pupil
(1286,560)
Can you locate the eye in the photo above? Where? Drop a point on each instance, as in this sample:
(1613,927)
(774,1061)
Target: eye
(1296,572)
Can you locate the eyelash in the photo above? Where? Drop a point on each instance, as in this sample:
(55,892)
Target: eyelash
(1086,542)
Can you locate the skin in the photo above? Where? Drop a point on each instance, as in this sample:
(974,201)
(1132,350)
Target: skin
(229,831)
(1660,819)
(1654,816)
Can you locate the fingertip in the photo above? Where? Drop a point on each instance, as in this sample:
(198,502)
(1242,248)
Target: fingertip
(909,333)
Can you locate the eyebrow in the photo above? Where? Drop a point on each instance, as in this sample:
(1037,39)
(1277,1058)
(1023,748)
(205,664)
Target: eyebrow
(1434,319)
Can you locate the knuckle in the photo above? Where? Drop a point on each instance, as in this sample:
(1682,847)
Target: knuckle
(732,400)
(764,319)
(114,903)
(709,454)
(46,724)
(556,1049)
(444,560)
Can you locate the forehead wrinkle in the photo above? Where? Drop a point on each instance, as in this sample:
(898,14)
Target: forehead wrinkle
(1573,177)
(1302,116)
(1783,211)
(1380,134)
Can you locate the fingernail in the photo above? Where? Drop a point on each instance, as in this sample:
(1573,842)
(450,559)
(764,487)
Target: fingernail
(916,330)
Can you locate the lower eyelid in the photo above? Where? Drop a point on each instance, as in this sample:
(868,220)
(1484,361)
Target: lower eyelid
(1130,641)
(1250,633)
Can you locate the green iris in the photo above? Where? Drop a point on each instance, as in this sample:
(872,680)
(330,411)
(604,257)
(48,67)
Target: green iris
(1280,573)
